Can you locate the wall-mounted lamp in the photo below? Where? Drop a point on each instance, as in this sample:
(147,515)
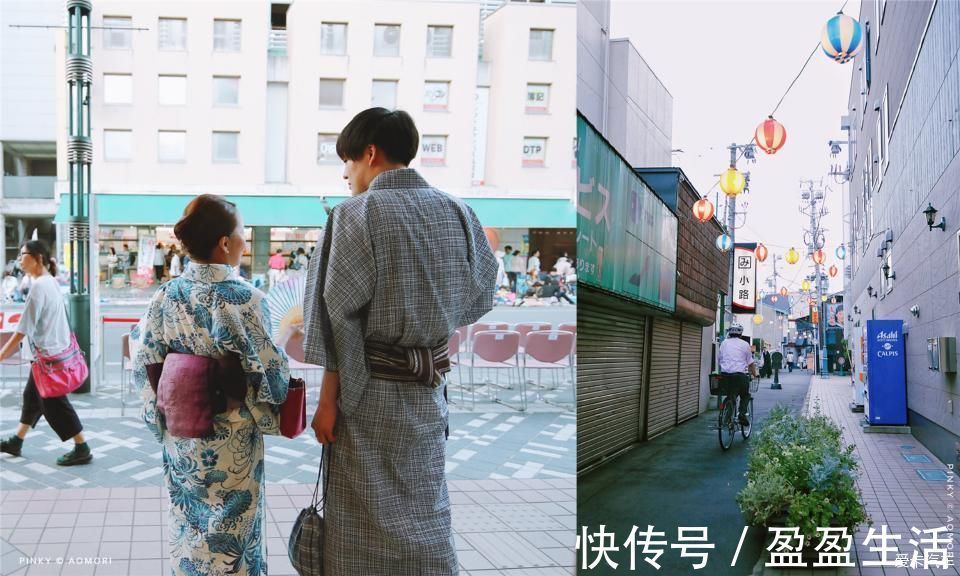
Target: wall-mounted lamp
(871,293)
(931,214)
(886,272)
(856,309)
(915,310)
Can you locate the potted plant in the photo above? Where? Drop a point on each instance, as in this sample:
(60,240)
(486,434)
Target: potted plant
(800,474)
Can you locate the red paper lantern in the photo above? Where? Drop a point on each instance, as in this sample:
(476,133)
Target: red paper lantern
(703,210)
(770,135)
(819,257)
(761,252)
(833,270)
(784,292)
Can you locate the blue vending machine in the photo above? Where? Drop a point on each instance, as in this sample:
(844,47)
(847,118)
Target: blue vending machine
(886,403)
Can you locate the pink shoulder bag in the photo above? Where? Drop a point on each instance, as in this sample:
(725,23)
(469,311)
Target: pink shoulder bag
(59,374)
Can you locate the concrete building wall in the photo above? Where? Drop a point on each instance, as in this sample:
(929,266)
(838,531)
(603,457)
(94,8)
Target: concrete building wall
(506,49)
(27,62)
(921,167)
(593,35)
(638,103)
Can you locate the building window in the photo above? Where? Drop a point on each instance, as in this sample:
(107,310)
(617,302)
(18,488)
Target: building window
(384,94)
(226,146)
(885,119)
(226,90)
(436,95)
(333,38)
(331,92)
(386,40)
(541,44)
(171,146)
(114,37)
(534,151)
(538,98)
(226,35)
(327,149)
(117,89)
(117,145)
(439,41)
(433,150)
(172,90)
(172,34)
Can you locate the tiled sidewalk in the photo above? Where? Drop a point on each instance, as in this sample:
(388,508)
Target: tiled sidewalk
(503,527)
(893,491)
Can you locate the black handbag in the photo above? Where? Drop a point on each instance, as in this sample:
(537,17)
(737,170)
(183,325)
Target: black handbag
(305,547)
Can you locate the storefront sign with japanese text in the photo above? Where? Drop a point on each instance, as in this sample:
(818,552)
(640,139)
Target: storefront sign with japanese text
(744,278)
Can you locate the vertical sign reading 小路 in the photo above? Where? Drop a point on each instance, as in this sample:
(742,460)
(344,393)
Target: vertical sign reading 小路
(744,278)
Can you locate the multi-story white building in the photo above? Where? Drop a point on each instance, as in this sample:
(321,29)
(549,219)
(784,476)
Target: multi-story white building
(27,121)
(246,99)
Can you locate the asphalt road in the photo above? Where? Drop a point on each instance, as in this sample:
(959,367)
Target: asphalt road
(681,478)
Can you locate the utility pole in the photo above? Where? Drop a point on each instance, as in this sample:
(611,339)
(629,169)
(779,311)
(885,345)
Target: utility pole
(79,71)
(814,242)
(732,232)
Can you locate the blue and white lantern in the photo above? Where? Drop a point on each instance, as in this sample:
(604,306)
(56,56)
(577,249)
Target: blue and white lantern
(724,243)
(841,252)
(842,38)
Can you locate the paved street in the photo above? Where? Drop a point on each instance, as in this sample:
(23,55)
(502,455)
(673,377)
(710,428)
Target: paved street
(511,477)
(682,478)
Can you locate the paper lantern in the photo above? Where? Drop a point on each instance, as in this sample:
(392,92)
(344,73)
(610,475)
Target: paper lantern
(841,252)
(724,243)
(770,135)
(703,210)
(757,319)
(842,38)
(732,182)
(819,257)
(761,252)
(805,285)
(823,298)
(833,271)
(792,256)
(784,292)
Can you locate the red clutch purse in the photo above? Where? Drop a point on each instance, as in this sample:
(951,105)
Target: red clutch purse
(293,411)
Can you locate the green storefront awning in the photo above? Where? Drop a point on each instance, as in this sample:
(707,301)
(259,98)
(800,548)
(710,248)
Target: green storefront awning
(301,211)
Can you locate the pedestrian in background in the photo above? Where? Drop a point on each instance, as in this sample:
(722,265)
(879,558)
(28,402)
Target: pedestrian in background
(790,358)
(44,324)
(766,370)
(277,265)
(175,267)
(533,266)
(379,311)
(216,483)
(519,268)
(777,359)
(159,261)
(511,275)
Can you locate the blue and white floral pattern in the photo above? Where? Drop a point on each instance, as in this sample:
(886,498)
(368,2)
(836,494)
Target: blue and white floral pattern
(216,484)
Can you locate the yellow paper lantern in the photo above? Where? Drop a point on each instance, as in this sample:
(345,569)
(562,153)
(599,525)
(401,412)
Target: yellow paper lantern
(805,285)
(732,182)
(792,256)
(823,298)
(757,319)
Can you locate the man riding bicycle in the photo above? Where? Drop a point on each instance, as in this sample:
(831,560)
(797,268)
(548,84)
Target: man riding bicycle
(736,366)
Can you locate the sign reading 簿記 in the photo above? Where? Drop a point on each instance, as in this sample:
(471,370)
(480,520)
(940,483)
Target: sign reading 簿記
(626,235)
(744,278)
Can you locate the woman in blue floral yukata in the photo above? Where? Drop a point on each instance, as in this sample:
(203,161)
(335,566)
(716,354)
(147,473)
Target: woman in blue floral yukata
(216,483)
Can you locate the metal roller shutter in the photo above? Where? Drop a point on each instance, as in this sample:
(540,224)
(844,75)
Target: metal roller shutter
(688,401)
(610,340)
(664,363)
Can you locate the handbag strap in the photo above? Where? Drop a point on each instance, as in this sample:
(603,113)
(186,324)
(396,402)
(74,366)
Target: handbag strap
(327,453)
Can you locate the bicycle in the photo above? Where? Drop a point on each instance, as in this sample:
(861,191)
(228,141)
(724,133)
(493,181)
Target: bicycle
(728,423)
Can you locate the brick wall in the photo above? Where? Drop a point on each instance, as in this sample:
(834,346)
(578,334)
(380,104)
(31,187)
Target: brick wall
(702,268)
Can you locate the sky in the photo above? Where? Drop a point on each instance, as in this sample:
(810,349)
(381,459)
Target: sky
(727,64)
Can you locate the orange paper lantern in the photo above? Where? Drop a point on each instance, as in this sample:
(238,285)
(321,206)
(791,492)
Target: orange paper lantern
(833,270)
(761,252)
(703,210)
(819,257)
(770,135)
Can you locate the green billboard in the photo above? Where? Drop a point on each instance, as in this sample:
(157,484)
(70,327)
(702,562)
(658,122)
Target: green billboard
(626,236)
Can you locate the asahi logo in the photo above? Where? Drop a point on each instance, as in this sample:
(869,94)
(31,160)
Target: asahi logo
(891,336)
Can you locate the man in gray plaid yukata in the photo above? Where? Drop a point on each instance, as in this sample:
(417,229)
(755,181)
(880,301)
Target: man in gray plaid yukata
(372,285)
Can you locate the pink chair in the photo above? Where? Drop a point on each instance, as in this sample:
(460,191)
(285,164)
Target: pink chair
(453,351)
(568,327)
(497,349)
(525,328)
(294,349)
(551,350)
(126,373)
(478,326)
(17,359)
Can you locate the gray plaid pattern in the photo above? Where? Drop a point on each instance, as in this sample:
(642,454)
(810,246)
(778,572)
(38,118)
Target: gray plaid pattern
(402,264)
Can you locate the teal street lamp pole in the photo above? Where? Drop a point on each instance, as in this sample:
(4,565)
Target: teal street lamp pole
(79,156)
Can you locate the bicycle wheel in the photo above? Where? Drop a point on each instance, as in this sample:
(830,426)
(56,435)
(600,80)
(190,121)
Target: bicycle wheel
(746,430)
(725,424)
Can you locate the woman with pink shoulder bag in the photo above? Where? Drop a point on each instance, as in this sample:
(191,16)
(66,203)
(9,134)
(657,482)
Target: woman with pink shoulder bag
(44,324)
